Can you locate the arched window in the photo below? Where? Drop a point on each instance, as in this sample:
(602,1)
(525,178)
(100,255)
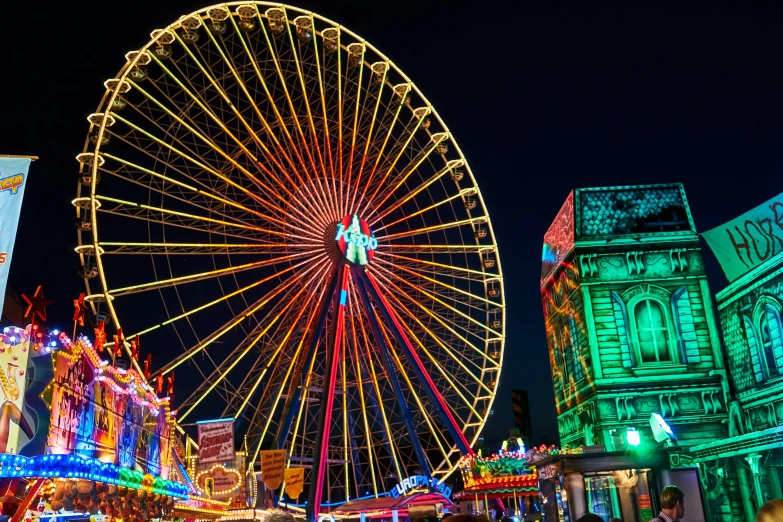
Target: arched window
(652,331)
(771,342)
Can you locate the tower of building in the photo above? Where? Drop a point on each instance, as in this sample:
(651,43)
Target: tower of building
(630,324)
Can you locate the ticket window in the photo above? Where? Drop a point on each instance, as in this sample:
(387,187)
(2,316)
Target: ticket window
(623,494)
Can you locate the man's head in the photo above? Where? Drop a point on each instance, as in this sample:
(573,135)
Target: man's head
(278,515)
(673,501)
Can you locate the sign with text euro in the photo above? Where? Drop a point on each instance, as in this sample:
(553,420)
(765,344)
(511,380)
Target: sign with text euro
(13,178)
(747,241)
(216,441)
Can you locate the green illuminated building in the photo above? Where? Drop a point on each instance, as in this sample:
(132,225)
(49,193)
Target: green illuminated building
(751,253)
(631,328)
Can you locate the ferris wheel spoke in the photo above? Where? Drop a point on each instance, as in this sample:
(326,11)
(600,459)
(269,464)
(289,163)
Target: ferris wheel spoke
(249,311)
(211,143)
(279,184)
(450,270)
(273,53)
(438,282)
(419,158)
(449,168)
(462,194)
(166,179)
(216,301)
(379,70)
(168,249)
(273,359)
(201,164)
(404,342)
(176,194)
(424,412)
(412,127)
(440,296)
(240,82)
(213,381)
(402,93)
(384,342)
(205,186)
(251,56)
(433,228)
(303,86)
(444,347)
(440,302)
(356,110)
(411,248)
(192,278)
(186,219)
(452,384)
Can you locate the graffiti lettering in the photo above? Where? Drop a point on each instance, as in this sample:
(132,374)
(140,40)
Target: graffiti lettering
(755,240)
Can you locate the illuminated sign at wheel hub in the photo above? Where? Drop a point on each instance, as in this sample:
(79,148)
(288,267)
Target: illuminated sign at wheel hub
(356,241)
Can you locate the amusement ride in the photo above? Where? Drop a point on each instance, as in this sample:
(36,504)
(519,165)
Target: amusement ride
(271,202)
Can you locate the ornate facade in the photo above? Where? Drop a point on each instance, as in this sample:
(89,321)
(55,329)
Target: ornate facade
(630,324)
(750,310)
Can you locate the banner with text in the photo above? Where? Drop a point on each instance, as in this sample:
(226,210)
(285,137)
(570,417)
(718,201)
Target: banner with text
(272,467)
(216,441)
(294,482)
(747,241)
(13,178)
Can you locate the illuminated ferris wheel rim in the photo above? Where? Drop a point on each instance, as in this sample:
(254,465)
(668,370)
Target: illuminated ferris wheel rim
(135,58)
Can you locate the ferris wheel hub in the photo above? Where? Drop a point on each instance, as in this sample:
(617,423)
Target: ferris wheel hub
(355,240)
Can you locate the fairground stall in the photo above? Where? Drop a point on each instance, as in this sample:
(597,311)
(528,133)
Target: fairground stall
(503,483)
(83,438)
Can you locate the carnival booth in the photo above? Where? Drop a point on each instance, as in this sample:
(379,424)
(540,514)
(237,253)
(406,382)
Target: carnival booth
(503,482)
(82,438)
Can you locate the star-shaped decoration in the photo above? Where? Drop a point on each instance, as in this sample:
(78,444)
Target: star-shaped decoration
(37,304)
(80,308)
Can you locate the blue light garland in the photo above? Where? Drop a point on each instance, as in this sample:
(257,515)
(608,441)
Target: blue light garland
(76,467)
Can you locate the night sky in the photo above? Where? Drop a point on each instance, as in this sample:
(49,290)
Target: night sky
(542,97)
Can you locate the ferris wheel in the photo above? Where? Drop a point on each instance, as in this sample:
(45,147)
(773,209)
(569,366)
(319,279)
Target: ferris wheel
(285,221)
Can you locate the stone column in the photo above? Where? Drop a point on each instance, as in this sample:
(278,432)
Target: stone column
(575,489)
(744,482)
(774,481)
(754,461)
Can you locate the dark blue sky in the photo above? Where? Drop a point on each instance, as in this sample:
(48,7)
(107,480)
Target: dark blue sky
(541,96)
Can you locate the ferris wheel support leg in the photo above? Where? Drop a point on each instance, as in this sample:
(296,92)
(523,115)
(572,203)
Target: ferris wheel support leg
(292,408)
(327,400)
(405,412)
(429,385)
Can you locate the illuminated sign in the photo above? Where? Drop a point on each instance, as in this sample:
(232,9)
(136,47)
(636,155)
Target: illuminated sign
(417,481)
(356,241)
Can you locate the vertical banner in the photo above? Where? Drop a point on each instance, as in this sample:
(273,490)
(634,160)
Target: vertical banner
(272,466)
(216,441)
(13,177)
(294,482)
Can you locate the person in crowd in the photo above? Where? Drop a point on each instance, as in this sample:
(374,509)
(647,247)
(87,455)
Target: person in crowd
(772,511)
(672,505)
(278,515)
(590,517)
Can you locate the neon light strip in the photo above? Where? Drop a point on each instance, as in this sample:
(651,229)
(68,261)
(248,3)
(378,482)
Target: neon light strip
(323,447)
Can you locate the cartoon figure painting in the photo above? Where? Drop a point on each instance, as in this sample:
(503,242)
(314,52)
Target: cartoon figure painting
(13,366)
